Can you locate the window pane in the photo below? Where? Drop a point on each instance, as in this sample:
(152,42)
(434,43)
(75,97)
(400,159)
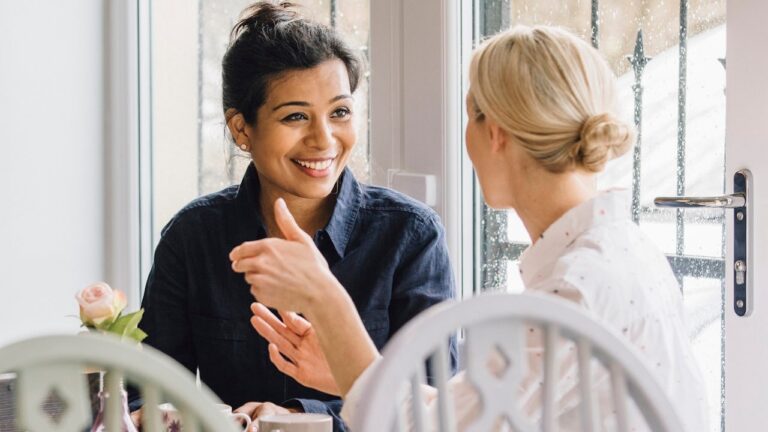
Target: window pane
(193,153)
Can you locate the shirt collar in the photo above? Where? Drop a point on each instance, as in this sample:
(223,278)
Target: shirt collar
(248,203)
(344,216)
(339,228)
(605,208)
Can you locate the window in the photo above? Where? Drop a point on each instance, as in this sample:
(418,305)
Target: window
(672,81)
(192,152)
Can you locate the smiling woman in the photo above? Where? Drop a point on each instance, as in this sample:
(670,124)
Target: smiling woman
(288,88)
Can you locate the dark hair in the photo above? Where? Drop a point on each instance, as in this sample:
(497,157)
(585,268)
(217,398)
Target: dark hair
(269,40)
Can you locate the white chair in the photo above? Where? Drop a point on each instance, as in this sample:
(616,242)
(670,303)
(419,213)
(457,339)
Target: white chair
(56,364)
(501,323)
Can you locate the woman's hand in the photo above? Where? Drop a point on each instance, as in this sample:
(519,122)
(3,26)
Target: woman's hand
(288,274)
(136,418)
(263,409)
(293,275)
(294,339)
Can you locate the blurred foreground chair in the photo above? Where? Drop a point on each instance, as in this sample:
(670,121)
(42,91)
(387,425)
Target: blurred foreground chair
(501,326)
(53,367)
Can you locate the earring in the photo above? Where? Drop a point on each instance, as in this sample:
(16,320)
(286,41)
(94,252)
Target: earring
(243,147)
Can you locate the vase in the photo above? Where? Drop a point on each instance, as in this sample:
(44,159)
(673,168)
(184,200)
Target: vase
(125,415)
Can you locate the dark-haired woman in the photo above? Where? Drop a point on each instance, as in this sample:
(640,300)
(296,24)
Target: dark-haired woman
(288,86)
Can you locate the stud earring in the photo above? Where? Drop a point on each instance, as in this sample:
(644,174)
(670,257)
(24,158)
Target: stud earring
(243,147)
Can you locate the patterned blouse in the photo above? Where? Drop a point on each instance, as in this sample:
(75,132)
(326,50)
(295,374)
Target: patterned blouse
(596,257)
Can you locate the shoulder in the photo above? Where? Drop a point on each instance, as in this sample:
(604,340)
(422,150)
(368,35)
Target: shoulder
(387,203)
(202,210)
(616,265)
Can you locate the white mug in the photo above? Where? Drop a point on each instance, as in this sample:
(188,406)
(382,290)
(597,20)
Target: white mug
(172,418)
(298,422)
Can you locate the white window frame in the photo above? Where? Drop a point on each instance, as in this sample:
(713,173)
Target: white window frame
(416,97)
(416,111)
(128,215)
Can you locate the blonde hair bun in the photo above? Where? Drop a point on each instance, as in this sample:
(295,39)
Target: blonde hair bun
(602,138)
(554,94)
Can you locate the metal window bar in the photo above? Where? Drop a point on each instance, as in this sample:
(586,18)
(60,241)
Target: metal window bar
(334,13)
(495,251)
(681,101)
(595,24)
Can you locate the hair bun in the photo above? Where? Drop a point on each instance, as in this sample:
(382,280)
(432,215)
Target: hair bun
(602,138)
(263,14)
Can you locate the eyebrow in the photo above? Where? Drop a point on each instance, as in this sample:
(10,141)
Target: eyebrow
(306,104)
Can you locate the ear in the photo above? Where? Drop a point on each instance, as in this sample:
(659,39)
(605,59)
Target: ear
(237,127)
(498,137)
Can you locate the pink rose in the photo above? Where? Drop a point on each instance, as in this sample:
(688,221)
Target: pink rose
(100,305)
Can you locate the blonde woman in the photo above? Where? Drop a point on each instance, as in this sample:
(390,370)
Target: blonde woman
(542,125)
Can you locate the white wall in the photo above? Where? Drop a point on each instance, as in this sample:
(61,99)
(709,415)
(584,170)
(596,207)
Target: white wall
(51,161)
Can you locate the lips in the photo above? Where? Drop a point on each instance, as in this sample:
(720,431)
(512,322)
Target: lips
(320,167)
(315,164)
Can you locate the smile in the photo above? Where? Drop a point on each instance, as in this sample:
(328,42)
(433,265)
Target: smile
(315,167)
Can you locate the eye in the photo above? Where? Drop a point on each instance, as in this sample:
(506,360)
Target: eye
(341,112)
(294,117)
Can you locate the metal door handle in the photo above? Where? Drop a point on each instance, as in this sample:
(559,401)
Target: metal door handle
(726,201)
(741,202)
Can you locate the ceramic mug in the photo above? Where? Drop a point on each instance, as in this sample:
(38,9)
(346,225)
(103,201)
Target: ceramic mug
(172,418)
(299,422)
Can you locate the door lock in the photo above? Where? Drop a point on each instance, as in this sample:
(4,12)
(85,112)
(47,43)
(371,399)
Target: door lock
(741,202)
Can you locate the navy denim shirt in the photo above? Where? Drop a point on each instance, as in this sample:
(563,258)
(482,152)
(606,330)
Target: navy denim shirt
(386,249)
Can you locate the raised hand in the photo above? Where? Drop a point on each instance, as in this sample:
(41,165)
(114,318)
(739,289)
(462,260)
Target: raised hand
(295,339)
(287,274)
(293,275)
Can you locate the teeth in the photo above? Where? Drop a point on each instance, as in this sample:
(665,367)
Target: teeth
(316,165)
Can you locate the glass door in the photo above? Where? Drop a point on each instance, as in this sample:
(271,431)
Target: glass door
(670,59)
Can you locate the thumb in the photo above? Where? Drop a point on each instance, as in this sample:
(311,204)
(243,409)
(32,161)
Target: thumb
(287,224)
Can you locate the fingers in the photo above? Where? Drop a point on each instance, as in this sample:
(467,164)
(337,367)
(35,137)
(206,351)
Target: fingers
(248,409)
(253,248)
(254,264)
(268,333)
(287,224)
(136,417)
(280,327)
(268,408)
(295,322)
(281,363)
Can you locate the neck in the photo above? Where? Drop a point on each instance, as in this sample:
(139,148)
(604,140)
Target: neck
(547,197)
(311,214)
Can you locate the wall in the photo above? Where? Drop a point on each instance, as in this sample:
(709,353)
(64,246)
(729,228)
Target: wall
(51,161)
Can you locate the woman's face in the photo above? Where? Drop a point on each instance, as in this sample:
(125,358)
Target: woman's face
(304,132)
(488,166)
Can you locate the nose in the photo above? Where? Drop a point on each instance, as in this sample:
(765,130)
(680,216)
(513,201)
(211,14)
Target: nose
(322,137)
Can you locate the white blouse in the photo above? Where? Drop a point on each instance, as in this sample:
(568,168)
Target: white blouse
(596,257)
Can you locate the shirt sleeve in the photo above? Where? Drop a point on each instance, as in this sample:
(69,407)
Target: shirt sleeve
(424,276)
(165,306)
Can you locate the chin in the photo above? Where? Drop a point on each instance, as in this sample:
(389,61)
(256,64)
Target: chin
(314,191)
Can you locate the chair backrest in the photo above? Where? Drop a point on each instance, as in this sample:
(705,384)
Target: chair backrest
(501,325)
(56,365)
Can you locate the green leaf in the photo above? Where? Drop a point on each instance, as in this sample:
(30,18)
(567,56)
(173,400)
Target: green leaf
(126,324)
(104,325)
(137,334)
